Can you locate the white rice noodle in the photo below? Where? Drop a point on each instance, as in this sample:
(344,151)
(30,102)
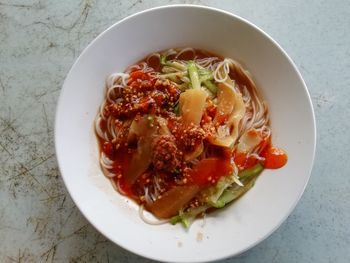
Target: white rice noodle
(133,68)
(143,66)
(111,127)
(148,199)
(102,110)
(114,92)
(246,122)
(206,62)
(156,192)
(256,156)
(184,50)
(157,187)
(235,176)
(260,121)
(246,96)
(170,52)
(115,185)
(117,78)
(157,55)
(237,181)
(107,173)
(118,187)
(98,130)
(252,116)
(147,69)
(240,69)
(221,71)
(260,110)
(150,221)
(266,133)
(153,196)
(152,192)
(105,161)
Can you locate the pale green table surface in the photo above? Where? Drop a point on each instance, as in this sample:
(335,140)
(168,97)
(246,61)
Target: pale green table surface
(39,41)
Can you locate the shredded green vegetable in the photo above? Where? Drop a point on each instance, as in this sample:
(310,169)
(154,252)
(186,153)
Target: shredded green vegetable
(210,86)
(193,73)
(205,77)
(234,193)
(150,118)
(186,218)
(174,76)
(174,64)
(255,170)
(247,177)
(177,65)
(228,193)
(189,75)
(177,109)
(162,59)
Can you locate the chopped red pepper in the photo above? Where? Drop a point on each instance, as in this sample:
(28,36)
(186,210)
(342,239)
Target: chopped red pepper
(208,171)
(274,158)
(243,161)
(107,148)
(138,74)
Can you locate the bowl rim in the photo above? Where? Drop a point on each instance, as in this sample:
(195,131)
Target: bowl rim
(199,7)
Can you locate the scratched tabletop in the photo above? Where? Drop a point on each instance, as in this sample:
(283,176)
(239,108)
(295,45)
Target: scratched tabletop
(40,40)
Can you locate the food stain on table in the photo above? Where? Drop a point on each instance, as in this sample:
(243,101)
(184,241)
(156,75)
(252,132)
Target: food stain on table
(199,237)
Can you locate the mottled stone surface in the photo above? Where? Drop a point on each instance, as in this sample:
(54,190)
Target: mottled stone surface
(39,41)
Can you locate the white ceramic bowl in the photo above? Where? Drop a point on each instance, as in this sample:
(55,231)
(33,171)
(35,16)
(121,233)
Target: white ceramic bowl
(229,231)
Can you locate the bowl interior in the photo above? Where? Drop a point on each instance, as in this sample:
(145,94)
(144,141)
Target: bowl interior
(226,232)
